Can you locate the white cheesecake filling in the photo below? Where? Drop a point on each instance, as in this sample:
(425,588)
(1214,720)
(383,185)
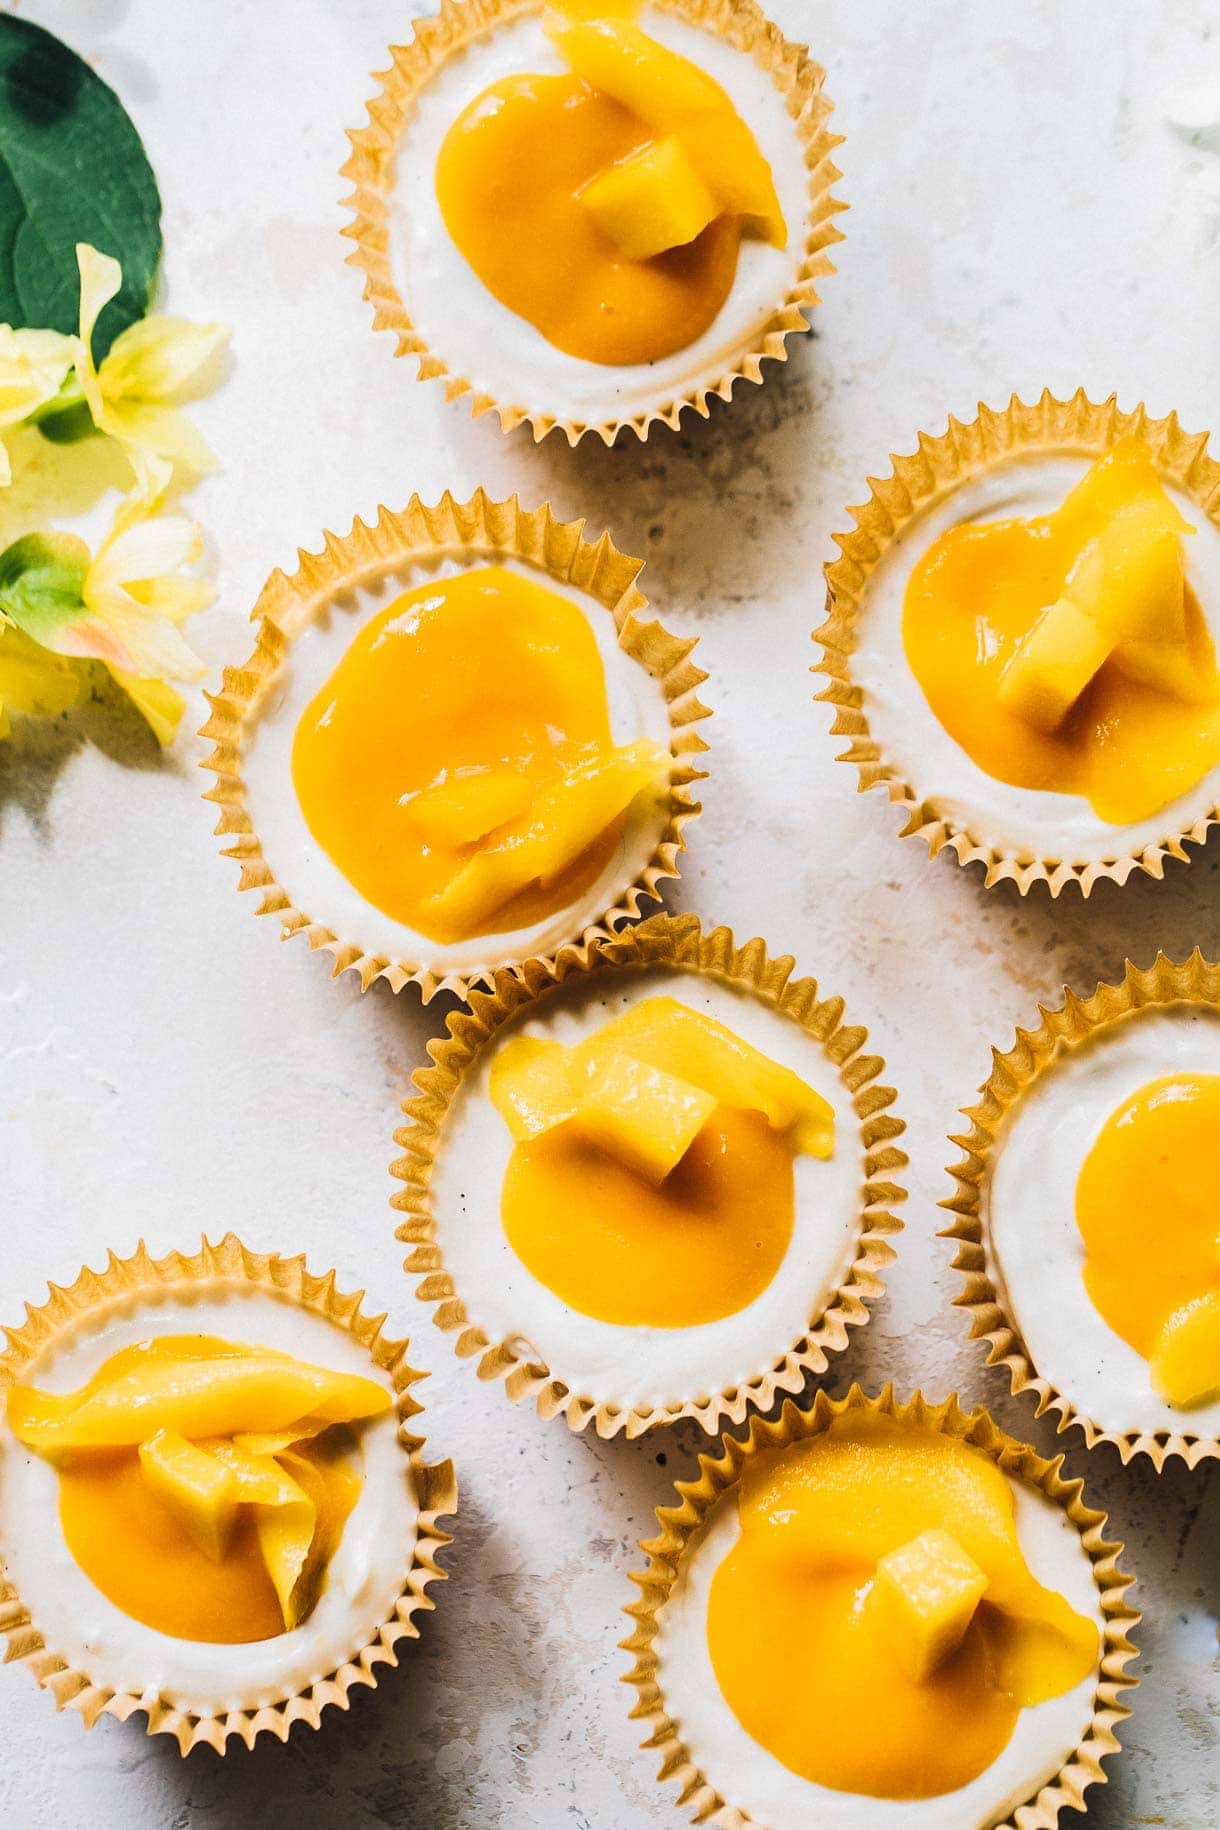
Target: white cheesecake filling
(1035,1251)
(637,708)
(365,1576)
(644,1366)
(751,1779)
(504,355)
(1027,823)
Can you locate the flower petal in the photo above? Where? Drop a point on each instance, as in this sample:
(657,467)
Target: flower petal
(127,635)
(100,279)
(143,549)
(31,680)
(164,431)
(158,704)
(162,359)
(33,365)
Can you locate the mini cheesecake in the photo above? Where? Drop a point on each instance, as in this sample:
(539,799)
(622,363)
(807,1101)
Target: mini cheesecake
(590,216)
(1021,642)
(880,1614)
(628,1271)
(178,1530)
(1105,1115)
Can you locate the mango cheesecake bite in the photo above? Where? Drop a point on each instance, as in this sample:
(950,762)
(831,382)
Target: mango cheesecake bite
(588,214)
(213,1504)
(1085,1212)
(459,743)
(885,1614)
(1021,642)
(654,1181)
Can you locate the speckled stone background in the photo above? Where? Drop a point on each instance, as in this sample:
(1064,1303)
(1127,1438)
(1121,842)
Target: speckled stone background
(1022,214)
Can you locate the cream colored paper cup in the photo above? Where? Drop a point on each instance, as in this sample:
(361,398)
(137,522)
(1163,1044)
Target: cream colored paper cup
(479,530)
(216,1267)
(1034,1052)
(679,1524)
(666,941)
(918,481)
(371,166)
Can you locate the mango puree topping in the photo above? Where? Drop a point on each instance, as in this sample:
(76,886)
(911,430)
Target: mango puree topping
(1148,1209)
(842,1683)
(651,1178)
(1068,652)
(204,1485)
(607,206)
(458,766)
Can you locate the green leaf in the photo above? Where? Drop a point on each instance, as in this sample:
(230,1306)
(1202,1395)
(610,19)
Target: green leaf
(72,168)
(42,579)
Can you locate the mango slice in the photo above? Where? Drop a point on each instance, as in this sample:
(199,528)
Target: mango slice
(645,1117)
(1185,1363)
(651,201)
(667,1035)
(197,1398)
(565,818)
(1053,664)
(197,1484)
(1131,579)
(674,97)
(530,1086)
(467,805)
(924,1597)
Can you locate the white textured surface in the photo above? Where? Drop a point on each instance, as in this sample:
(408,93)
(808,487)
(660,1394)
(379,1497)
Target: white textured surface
(1021,215)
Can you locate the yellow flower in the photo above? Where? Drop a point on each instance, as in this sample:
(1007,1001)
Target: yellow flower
(33,367)
(150,368)
(136,592)
(31,680)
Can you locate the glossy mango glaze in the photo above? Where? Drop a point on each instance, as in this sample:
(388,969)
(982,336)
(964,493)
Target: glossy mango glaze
(1127,747)
(802,1660)
(443,767)
(699,1247)
(518,177)
(514,212)
(135,1545)
(1148,1209)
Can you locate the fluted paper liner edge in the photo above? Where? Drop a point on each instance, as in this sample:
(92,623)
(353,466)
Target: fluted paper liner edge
(370,168)
(478,528)
(1033,1053)
(232,1263)
(679,942)
(696,1498)
(917,481)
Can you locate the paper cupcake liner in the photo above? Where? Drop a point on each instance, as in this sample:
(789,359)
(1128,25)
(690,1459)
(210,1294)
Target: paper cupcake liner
(696,1498)
(370,169)
(916,482)
(680,942)
(479,528)
(1034,1051)
(232,1263)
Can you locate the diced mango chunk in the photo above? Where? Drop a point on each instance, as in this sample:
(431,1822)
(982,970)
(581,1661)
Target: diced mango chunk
(650,201)
(1170,668)
(1131,579)
(198,1485)
(1123,475)
(725,153)
(925,1595)
(666,1034)
(467,805)
(646,1118)
(1185,1363)
(675,97)
(564,819)
(531,1086)
(1052,665)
